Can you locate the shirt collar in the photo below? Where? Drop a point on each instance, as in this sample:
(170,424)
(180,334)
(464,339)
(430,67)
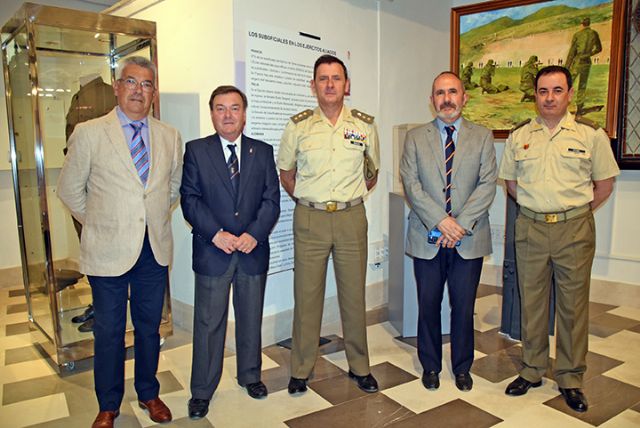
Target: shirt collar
(226,142)
(125,121)
(567,122)
(441,124)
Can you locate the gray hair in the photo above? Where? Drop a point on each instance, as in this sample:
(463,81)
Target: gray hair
(140,62)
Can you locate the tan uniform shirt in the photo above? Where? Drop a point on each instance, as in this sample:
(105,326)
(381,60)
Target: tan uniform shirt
(329,159)
(554,171)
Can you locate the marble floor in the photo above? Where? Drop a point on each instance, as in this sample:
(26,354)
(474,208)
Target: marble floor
(34,394)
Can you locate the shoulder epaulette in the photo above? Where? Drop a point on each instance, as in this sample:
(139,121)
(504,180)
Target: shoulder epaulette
(362,116)
(587,122)
(302,116)
(520,125)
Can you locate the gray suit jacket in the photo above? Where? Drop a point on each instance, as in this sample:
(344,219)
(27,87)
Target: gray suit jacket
(473,187)
(101,187)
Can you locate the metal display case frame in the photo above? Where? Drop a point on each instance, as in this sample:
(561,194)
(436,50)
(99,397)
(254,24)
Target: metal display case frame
(36,33)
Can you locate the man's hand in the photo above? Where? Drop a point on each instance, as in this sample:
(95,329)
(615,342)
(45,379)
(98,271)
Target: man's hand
(246,243)
(226,241)
(452,232)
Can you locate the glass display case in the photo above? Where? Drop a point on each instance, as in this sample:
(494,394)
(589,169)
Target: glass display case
(58,67)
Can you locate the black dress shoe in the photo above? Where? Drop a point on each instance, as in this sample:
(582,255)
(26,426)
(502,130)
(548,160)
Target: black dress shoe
(198,408)
(85,316)
(464,382)
(256,390)
(520,386)
(297,386)
(430,380)
(366,383)
(575,399)
(87,326)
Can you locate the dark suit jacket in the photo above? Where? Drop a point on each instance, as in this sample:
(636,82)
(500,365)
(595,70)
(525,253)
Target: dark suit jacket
(208,203)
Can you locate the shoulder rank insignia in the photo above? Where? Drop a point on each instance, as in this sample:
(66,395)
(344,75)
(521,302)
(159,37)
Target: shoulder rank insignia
(362,116)
(302,116)
(587,122)
(520,125)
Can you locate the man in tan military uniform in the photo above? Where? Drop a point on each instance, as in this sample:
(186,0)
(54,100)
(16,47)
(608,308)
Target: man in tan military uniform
(321,161)
(584,44)
(559,169)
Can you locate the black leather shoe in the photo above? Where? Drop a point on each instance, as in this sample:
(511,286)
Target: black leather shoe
(430,380)
(87,326)
(198,408)
(256,390)
(297,386)
(575,399)
(85,316)
(366,383)
(520,386)
(464,382)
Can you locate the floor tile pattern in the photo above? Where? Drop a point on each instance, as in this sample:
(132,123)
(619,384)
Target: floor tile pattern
(34,394)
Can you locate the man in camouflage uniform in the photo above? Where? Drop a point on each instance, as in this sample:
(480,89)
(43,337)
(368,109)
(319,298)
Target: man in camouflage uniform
(584,45)
(486,79)
(467,73)
(527,76)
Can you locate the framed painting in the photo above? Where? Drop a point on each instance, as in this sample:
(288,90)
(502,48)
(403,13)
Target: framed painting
(497,47)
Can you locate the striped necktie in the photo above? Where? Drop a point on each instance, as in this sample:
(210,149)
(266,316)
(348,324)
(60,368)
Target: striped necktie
(232,166)
(139,152)
(449,150)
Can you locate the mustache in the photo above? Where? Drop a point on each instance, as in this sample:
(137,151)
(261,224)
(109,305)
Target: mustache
(448,104)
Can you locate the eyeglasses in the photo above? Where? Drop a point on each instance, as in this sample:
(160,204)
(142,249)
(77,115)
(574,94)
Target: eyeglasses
(132,85)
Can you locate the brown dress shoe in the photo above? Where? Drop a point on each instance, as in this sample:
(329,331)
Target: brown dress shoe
(105,419)
(158,411)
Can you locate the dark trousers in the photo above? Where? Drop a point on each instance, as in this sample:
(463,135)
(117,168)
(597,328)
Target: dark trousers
(144,287)
(210,327)
(462,277)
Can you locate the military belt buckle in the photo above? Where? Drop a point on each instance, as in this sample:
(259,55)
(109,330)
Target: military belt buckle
(551,218)
(332,206)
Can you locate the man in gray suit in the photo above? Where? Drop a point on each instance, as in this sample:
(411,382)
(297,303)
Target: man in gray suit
(449,173)
(120,178)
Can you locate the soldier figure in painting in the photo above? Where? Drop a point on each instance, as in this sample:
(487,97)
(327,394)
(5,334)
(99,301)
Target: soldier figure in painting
(488,72)
(584,45)
(467,72)
(527,77)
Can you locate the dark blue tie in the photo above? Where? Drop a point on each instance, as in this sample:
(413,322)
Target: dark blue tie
(233,167)
(449,150)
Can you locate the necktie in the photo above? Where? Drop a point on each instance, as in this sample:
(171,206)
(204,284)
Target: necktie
(232,166)
(449,150)
(139,152)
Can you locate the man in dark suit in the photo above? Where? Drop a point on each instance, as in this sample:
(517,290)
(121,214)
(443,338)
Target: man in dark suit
(449,173)
(231,197)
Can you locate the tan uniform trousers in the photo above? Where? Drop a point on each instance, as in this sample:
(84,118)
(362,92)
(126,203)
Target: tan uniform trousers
(566,250)
(343,234)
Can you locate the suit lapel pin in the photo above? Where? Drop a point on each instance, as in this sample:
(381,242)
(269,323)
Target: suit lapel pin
(251,150)
(526,146)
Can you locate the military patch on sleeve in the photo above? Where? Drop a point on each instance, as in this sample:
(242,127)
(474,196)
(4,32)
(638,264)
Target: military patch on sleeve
(520,125)
(302,116)
(362,116)
(587,122)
